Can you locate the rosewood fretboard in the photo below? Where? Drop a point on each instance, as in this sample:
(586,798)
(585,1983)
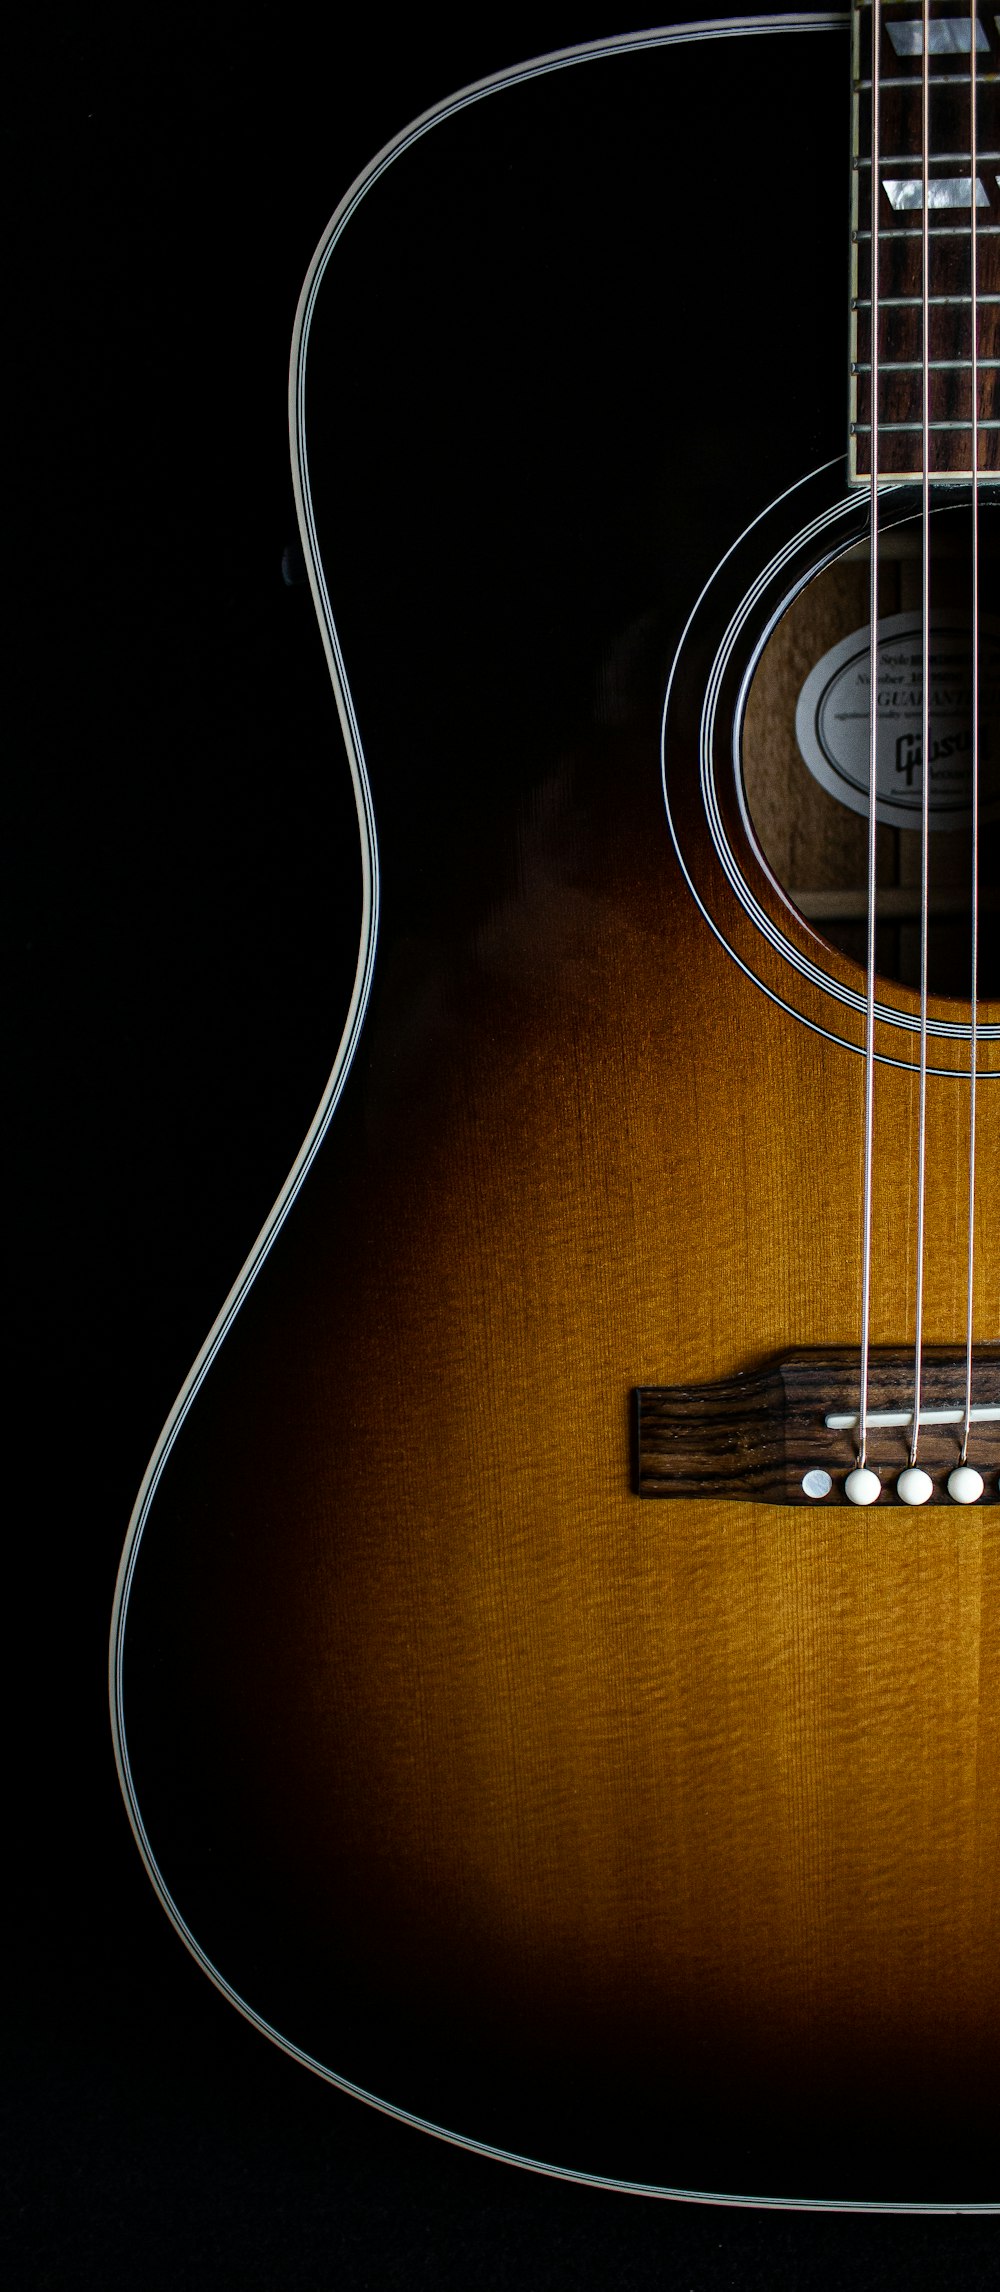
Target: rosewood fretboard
(928,281)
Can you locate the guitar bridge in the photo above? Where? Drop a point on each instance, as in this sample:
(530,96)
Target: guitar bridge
(787,1432)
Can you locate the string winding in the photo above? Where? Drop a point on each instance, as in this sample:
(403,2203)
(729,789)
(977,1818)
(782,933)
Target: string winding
(925,727)
(922,1484)
(866,1244)
(974,967)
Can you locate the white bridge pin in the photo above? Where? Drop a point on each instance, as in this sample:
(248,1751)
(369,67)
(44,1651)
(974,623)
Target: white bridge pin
(965,1484)
(914,1486)
(862,1486)
(816,1483)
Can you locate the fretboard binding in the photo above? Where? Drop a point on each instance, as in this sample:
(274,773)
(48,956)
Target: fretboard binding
(861,429)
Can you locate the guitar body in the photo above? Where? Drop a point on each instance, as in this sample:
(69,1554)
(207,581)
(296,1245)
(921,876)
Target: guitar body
(654,1842)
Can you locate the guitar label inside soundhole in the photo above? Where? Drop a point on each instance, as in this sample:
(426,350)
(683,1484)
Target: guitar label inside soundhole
(804,753)
(833,716)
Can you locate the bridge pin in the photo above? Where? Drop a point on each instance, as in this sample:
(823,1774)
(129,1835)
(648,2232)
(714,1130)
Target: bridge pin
(914,1486)
(862,1486)
(965,1484)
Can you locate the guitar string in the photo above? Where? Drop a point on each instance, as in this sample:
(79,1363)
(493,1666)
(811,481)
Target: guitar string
(925,716)
(869,1122)
(974,963)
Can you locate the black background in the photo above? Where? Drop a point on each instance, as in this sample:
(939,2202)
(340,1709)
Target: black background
(183,898)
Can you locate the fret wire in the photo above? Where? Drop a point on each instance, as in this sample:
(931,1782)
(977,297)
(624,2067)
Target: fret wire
(916,365)
(906,158)
(960,474)
(863,428)
(939,80)
(917,301)
(938,231)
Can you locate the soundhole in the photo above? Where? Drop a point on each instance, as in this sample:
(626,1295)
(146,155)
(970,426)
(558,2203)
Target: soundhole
(805,753)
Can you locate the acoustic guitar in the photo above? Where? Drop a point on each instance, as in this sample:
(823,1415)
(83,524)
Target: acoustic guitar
(556,1658)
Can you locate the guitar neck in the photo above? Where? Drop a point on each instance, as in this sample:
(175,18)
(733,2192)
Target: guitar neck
(929,138)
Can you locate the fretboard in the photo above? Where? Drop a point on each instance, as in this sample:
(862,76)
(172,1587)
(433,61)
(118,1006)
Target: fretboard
(937,290)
